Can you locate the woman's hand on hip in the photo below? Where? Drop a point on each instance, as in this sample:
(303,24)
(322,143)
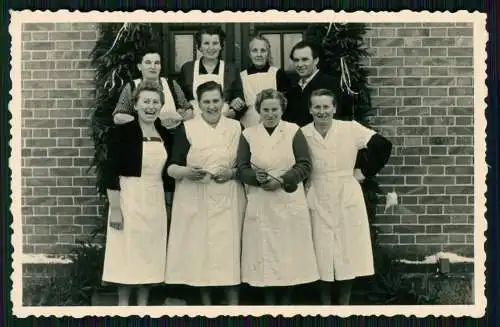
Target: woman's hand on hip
(122,118)
(186,114)
(237,104)
(169,123)
(358,174)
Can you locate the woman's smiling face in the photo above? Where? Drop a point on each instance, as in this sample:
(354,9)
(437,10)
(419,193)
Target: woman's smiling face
(259,52)
(210,46)
(322,108)
(211,106)
(270,112)
(150,66)
(148,106)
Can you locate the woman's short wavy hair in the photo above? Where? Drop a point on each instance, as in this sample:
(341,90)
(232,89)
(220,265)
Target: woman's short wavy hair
(321,92)
(206,87)
(210,30)
(148,86)
(270,94)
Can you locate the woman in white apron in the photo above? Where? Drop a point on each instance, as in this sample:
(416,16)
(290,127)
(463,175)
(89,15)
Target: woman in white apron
(136,237)
(259,76)
(207,213)
(210,42)
(341,230)
(277,247)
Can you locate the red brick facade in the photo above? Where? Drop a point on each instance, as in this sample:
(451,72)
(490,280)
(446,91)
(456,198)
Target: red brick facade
(422,79)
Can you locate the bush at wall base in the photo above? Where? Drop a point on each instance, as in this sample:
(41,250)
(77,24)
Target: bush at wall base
(77,286)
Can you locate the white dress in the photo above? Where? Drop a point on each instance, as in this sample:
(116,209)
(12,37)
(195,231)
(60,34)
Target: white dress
(205,237)
(340,223)
(277,238)
(136,254)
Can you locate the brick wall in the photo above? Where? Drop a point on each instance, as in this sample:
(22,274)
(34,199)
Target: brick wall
(59,199)
(422,78)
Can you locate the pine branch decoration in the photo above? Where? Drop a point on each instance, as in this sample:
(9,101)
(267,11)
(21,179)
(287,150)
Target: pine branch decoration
(114,59)
(344,43)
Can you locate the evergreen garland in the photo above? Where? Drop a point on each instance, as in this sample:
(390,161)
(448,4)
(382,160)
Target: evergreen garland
(114,59)
(342,53)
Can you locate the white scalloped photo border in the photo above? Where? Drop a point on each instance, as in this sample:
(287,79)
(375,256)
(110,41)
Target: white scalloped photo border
(480,38)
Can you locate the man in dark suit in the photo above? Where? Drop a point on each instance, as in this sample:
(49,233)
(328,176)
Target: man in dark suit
(305,58)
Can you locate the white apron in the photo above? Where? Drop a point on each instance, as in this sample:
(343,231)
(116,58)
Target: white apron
(137,253)
(205,235)
(341,230)
(252,85)
(199,79)
(277,238)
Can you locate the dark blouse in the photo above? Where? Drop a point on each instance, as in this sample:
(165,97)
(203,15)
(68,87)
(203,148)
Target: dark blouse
(232,80)
(297,174)
(282,81)
(125,153)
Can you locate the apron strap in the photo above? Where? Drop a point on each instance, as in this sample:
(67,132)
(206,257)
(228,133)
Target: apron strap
(134,84)
(196,73)
(168,82)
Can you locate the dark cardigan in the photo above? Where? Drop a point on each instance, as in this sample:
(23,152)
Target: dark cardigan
(232,80)
(125,153)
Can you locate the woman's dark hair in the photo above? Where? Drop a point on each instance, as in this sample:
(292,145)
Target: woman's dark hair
(210,30)
(315,49)
(321,92)
(270,94)
(207,87)
(151,48)
(148,86)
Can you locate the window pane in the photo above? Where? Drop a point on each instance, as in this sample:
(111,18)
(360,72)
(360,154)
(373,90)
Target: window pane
(289,40)
(183,45)
(274,39)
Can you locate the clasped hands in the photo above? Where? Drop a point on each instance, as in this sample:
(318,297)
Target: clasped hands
(267,182)
(196,173)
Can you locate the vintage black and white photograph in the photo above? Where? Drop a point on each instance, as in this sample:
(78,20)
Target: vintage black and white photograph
(248,163)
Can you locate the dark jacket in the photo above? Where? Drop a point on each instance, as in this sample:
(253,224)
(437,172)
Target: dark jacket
(297,110)
(125,153)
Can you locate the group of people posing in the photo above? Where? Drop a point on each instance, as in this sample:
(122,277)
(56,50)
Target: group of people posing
(226,177)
